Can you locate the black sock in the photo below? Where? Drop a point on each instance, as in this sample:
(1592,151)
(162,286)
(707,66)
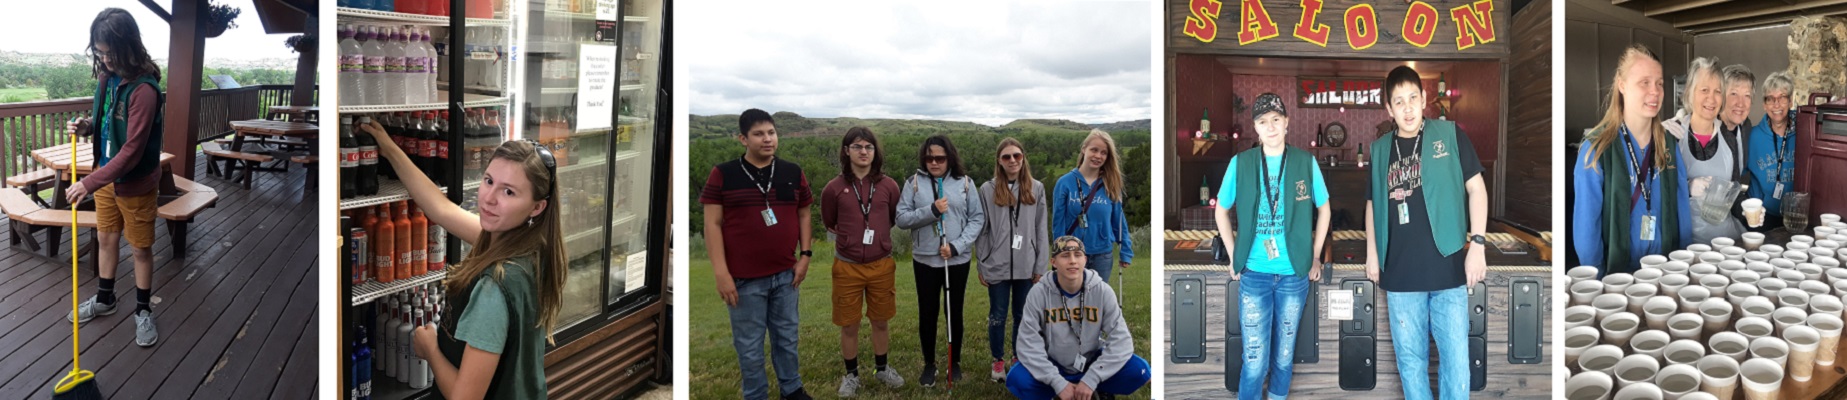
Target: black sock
(141,300)
(105,290)
(880,359)
(852,366)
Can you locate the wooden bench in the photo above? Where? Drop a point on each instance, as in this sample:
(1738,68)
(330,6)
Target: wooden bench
(33,182)
(250,162)
(179,212)
(307,160)
(25,214)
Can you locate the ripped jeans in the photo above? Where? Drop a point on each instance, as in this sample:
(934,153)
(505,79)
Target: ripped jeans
(1270,309)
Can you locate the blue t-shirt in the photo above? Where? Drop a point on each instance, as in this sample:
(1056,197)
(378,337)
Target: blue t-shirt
(1269,223)
(1767,168)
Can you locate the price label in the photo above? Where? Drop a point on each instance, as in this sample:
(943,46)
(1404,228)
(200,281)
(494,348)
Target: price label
(1340,305)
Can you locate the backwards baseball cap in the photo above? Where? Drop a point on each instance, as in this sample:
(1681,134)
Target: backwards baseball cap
(1266,103)
(1067,243)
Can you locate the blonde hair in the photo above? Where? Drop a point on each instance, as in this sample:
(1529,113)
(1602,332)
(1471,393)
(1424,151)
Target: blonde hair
(1612,120)
(1111,172)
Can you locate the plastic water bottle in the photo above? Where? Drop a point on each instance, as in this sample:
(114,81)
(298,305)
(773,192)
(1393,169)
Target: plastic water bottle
(372,84)
(394,66)
(352,67)
(416,68)
(429,80)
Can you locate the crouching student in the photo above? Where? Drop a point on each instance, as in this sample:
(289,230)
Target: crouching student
(1074,343)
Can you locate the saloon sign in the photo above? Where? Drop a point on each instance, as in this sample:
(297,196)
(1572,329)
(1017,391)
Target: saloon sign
(1374,29)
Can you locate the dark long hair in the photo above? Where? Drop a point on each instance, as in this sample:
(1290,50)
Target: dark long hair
(949,149)
(859,133)
(542,238)
(116,28)
(1002,197)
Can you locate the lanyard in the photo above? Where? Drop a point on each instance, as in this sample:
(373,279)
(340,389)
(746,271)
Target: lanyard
(761,186)
(1642,175)
(865,206)
(1273,194)
(1077,314)
(1779,142)
(1398,154)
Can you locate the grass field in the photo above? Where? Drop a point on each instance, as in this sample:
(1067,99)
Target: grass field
(15,95)
(714,362)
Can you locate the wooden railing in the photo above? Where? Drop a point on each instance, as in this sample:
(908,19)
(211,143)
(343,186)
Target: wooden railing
(35,125)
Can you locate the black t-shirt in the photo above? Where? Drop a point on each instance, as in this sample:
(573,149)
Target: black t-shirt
(1412,262)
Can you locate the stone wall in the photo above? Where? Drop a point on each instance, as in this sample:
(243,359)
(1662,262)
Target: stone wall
(1816,47)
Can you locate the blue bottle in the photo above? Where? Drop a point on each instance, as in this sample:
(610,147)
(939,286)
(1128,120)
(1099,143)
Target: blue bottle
(362,367)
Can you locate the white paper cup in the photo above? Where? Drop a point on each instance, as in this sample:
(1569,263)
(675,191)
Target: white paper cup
(1737,292)
(1684,351)
(1831,275)
(1762,379)
(1837,225)
(1771,285)
(1577,341)
(1697,248)
(1583,272)
(1609,303)
(1744,276)
(1733,253)
(1695,272)
(1819,252)
(1717,315)
(1672,267)
(1582,292)
(1802,239)
(1763,269)
(1677,380)
(1770,348)
(1752,240)
(1814,288)
(1797,255)
(1648,275)
(1786,317)
(1827,244)
(1771,248)
(1791,277)
(1758,307)
(1718,375)
(1649,343)
(1826,303)
(1580,316)
(1653,260)
(1812,272)
(1825,231)
(1674,282)
(1657,310)
(1600,358)
(1829,327)
(1714,282)
(1830,262)
(1619,327)
(1792,297)
(1591,385)
(1686,256)
(1711,257)
(1615,283)
(1802,247)
(1636,369)
(1781,263)
(1729,344)
(1802,341)
(1723,242)
(1639,391)
(1640,293)
(1753,256)
(1685,326)
(1689,297)
(1840,288)
(1838,236)
(1751,327)
(1829,218)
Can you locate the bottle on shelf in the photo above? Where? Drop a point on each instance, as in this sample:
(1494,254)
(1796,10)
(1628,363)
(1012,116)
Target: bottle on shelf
(356,254)
(384,258)
(349,159)
(366,178)
(412,141)
(416,68)
(441,130)
(390,344)
(390,125)
(352,67)
(372,82)
(402,213)
(419,368)
(368,221)
(438,242)
(429,79)
(361,367)
(394,66)
(405,354)
(419,241)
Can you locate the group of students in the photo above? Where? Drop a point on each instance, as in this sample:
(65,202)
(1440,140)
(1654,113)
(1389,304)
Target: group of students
(1426,211)
(1070,338)
(1641,182)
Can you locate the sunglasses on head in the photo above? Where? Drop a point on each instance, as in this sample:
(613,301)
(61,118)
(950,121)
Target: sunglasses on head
(936,159)
(545,156)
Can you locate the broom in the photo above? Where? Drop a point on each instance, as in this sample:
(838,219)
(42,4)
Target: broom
(78,384)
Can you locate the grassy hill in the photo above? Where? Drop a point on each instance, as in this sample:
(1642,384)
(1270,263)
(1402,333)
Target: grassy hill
(790,124)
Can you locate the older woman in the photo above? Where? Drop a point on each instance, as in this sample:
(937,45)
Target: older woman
(1772,155)
(1712,154)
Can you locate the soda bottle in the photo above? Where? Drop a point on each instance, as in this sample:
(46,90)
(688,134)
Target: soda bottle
(440,134)
(384,258)
(385,120)
(419,241)
(411,141)
(349,160)
(402,247)
(367,174)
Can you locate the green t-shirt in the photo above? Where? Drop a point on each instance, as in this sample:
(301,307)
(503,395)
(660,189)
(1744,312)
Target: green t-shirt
(500,315)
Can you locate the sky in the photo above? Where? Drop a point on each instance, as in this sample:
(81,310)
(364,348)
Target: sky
(986,63)
(63,26)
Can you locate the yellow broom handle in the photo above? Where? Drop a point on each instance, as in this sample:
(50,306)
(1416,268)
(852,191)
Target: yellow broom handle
(75,359)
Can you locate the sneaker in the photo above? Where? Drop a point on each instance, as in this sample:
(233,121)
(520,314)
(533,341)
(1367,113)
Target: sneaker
(999,372)
(955,373)
(929,376)
(890,377)
(144,329)
(800,394)
(849,385)
(90,309)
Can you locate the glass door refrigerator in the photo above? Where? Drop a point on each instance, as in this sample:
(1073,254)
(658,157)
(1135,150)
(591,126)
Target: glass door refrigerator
(580,77)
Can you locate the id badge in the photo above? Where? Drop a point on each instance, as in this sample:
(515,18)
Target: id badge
(1648,228)
(1084,222)
(769,217)
(1779,191)
(866,238)
(1016,241)
(1404,213)
(1081,361)
(1269,248)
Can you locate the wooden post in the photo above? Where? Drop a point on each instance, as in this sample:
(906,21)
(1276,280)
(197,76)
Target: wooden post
(303,94)
(185,62)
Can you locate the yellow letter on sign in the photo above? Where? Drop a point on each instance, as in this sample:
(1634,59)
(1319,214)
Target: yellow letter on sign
(1255,25)
(1203,23)
(1474,24)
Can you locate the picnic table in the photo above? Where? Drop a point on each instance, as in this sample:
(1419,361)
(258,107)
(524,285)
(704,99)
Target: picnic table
(296,113)
(263,129)
(59,159)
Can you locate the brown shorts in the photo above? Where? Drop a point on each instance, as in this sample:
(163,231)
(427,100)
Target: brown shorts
(875,283)
(133,217)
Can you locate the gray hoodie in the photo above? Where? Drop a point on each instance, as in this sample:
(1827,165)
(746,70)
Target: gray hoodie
(999,260)
(1047,342)
(960,225)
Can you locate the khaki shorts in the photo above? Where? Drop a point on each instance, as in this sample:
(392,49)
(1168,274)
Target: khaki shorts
(875,283)
(133,217)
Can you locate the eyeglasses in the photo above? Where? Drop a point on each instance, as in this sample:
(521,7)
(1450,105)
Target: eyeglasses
(545,156)
(1777,99)
(867,148)
(936,159)
(1012,156)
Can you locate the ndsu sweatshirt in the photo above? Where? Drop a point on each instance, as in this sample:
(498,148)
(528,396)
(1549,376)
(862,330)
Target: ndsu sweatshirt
(1058,327)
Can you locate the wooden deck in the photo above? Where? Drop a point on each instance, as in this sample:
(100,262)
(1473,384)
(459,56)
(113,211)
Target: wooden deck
(246,291)
(1322,379)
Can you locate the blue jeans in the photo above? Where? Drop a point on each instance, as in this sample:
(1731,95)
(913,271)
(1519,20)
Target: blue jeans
(1103,263)
(767,305)
(1418,317)
(1270,310)
(1001,295)
(1132,376)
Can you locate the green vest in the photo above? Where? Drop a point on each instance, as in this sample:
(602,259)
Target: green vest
(1298,204)
(117,121)
(1617,183)
(521,372)
(1446,197)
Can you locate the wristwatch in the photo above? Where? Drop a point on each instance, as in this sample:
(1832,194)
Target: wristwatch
(807,253)
(1479,239)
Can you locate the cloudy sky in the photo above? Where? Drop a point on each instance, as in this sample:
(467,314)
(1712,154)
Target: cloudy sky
(63,26)
(980,62)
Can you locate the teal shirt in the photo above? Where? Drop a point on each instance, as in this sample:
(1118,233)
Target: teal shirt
(500,315)
(1270,226)
(484,323)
